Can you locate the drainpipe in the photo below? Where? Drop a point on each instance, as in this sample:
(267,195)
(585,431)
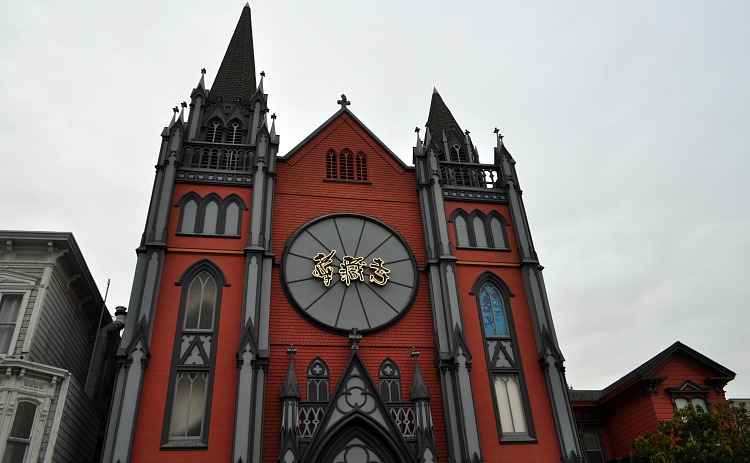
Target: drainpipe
(100,349)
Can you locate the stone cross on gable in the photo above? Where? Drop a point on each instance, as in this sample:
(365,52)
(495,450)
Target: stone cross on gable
(343,101)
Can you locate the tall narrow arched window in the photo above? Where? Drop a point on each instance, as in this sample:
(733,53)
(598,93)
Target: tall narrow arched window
(214,132)
(189,215)
(331,164)
(389,378)
(210,217)
(232,219)
(234,133)
(361,162)
(17,446)
(318,381)
(346,165)
(480,237)
(189,401)
(503,360)
(462,231)
(497,231)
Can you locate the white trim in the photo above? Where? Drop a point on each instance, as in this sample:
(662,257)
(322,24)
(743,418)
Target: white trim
(19,317)
(37,308)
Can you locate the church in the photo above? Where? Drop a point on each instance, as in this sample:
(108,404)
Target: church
(331,303)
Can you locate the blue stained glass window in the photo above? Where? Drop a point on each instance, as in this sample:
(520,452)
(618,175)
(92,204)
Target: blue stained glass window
(493,314)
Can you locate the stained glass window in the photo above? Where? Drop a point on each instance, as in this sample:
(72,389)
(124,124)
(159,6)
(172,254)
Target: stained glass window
(493,313)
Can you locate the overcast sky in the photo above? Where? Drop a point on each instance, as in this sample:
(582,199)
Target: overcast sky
(628,122)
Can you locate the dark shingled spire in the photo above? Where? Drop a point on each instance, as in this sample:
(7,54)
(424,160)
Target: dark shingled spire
(236,76)
(440,119)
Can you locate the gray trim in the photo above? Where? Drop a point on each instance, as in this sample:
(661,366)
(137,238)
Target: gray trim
(485,218)
(200,215)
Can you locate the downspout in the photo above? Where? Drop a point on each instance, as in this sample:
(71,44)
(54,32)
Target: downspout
(100,349)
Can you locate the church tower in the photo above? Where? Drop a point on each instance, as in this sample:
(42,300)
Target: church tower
(333,304)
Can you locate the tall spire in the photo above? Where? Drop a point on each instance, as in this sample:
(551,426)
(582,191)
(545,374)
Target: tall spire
(440,119)
(236,76)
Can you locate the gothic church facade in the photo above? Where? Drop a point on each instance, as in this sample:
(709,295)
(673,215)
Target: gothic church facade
(333,304)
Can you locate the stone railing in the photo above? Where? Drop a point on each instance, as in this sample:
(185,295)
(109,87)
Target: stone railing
(463,175)
(215,156)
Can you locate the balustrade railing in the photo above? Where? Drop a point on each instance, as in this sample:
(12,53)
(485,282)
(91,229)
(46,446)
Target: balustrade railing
(469,175)
(217,157)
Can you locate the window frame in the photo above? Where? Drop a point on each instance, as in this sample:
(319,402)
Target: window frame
(505,294)
(30,439)
(346,167)
(688,391)
(175,442)
(324,377)
(600,440)
(392,379)
(25,292)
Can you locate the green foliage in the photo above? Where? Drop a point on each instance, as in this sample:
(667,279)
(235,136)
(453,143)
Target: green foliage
(694,436)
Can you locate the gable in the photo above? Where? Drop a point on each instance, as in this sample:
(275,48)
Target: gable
(345,130)
(16,280)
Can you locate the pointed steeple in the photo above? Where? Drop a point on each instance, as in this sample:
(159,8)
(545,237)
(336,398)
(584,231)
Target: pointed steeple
(236,76)
(290,387)
(440,119)
(418,389)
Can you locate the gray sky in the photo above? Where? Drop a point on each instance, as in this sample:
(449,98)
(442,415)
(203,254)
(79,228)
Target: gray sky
(628,122)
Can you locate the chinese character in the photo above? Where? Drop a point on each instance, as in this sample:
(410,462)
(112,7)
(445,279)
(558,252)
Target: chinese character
(381,275)
(324,268)
(352,268)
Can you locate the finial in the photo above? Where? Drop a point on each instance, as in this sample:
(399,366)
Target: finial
(355,338)
(343,101)
(467,132)
(291,350)
(203,70)
(183,104)
(175,110)
(417,129)
(499,135)
(273,116)
(414,353)
(263,73)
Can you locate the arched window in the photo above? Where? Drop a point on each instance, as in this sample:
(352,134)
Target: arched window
(210,217)
(390,381)
(331,164)
(189,399)
(214,132)
(234,133)
(19,438)
(480,237)
(361,166)
(462,231)
(477,230)
(458,154)
(189,215)
(503,359)
(317,381)
(346,165)
(232,220)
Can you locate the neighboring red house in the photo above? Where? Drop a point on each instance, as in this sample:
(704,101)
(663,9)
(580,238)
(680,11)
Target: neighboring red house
(610,419)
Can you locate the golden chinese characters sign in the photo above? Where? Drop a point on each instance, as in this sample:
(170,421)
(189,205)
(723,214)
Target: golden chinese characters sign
(350,269)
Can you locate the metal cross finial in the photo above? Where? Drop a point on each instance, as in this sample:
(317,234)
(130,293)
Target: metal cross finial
(203,70)
(414,353)
(291,350)
(355,338)
(273,116)
(176,109)
(343,101)
(499,135)
(263,73)
(183,104)
(417,129)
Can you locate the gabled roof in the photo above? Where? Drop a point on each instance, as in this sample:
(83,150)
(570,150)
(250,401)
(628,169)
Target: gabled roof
(648,368)
(338,114)
(236,76)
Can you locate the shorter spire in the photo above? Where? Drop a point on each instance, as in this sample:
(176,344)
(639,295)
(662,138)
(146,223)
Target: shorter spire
(290,388)
(499,137)
(175,110)
(418,389)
